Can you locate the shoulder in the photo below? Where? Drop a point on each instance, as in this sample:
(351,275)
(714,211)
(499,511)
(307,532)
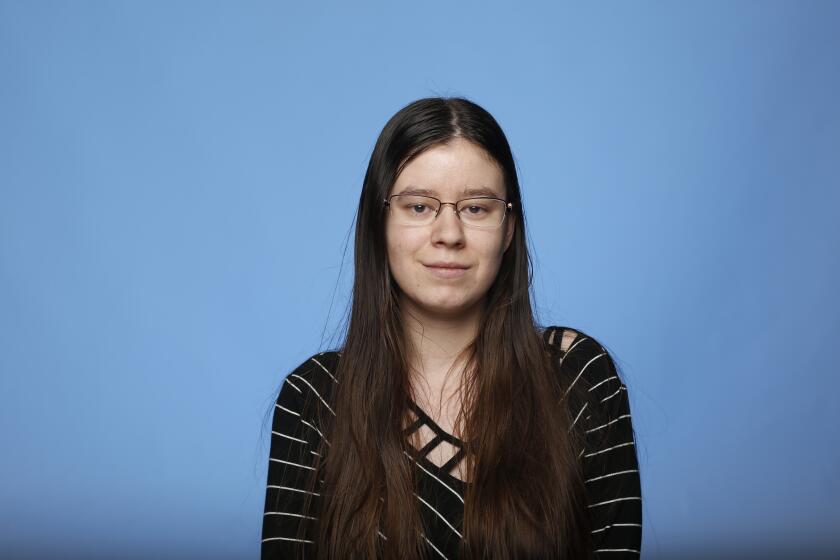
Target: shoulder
(313,380)
(317,367)
(560,338)
(584,359)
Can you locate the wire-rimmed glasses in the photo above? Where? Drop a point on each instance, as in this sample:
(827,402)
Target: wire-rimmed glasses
(483,212)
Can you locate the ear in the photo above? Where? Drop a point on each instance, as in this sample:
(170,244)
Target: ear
(509,229)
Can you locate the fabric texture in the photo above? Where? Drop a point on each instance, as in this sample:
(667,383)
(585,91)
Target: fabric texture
(609,458)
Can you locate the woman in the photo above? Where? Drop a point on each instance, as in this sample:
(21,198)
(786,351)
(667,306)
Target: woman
(449,425)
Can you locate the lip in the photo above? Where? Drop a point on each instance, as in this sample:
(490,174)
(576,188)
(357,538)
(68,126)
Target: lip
(447,269)
(443,264)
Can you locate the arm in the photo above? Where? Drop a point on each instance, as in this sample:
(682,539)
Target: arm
(611,470)
(290,464)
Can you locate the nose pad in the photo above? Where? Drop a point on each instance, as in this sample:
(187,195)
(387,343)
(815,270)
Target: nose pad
(454,211)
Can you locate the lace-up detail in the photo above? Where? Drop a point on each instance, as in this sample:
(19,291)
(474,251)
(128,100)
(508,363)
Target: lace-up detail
(440,449)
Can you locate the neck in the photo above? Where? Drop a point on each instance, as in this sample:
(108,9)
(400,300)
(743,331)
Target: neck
(434,343)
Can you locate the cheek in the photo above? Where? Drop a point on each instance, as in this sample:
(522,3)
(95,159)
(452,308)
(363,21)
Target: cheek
(402,248)
(491,258)
(491,249)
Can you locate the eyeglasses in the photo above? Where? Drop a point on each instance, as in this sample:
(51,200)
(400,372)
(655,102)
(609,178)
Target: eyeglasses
(483,212)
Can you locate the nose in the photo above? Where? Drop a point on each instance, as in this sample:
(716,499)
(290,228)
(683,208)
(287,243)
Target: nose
(447,228)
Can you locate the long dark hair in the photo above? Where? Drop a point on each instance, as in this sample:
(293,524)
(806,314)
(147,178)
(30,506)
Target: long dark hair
(526,499)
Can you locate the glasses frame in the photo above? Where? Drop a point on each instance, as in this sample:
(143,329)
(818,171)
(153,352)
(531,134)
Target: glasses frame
(441,204)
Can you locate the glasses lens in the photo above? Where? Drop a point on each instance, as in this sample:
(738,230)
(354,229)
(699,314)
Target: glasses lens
(482,212)
(413,209)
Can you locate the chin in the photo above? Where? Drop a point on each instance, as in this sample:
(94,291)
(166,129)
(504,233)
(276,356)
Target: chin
(444,306)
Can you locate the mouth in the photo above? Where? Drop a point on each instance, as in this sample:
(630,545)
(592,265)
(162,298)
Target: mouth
(447,270)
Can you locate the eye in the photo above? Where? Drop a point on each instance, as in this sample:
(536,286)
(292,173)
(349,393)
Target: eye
(417,208)
(476,209)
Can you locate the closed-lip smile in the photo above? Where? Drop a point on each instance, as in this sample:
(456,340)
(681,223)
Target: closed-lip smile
(446,265)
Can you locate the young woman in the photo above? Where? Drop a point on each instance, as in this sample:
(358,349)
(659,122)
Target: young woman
(449,425)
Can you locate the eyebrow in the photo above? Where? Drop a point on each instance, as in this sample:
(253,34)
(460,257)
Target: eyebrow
(472,191)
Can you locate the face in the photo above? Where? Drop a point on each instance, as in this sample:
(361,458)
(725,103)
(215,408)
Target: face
(447,171)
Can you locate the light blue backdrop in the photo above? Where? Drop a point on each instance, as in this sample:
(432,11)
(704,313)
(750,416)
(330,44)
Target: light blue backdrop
(178,183)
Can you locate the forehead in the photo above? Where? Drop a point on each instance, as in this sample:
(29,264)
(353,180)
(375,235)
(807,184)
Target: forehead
(457,168)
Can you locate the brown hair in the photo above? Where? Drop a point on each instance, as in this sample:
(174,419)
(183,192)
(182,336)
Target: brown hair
(527,498)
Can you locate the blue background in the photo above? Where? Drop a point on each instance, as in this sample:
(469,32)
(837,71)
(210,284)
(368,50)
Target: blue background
(179,180)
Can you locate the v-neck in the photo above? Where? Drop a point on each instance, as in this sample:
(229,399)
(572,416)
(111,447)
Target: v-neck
(454,440)
(421,455)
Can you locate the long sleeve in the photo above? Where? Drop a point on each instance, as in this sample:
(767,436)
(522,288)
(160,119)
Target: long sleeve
(611,466)
(290,465)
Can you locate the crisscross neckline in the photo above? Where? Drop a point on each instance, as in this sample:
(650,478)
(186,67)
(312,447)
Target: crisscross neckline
(454,440)
(440,435)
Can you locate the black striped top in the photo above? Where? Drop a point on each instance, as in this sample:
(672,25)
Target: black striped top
(609,458)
